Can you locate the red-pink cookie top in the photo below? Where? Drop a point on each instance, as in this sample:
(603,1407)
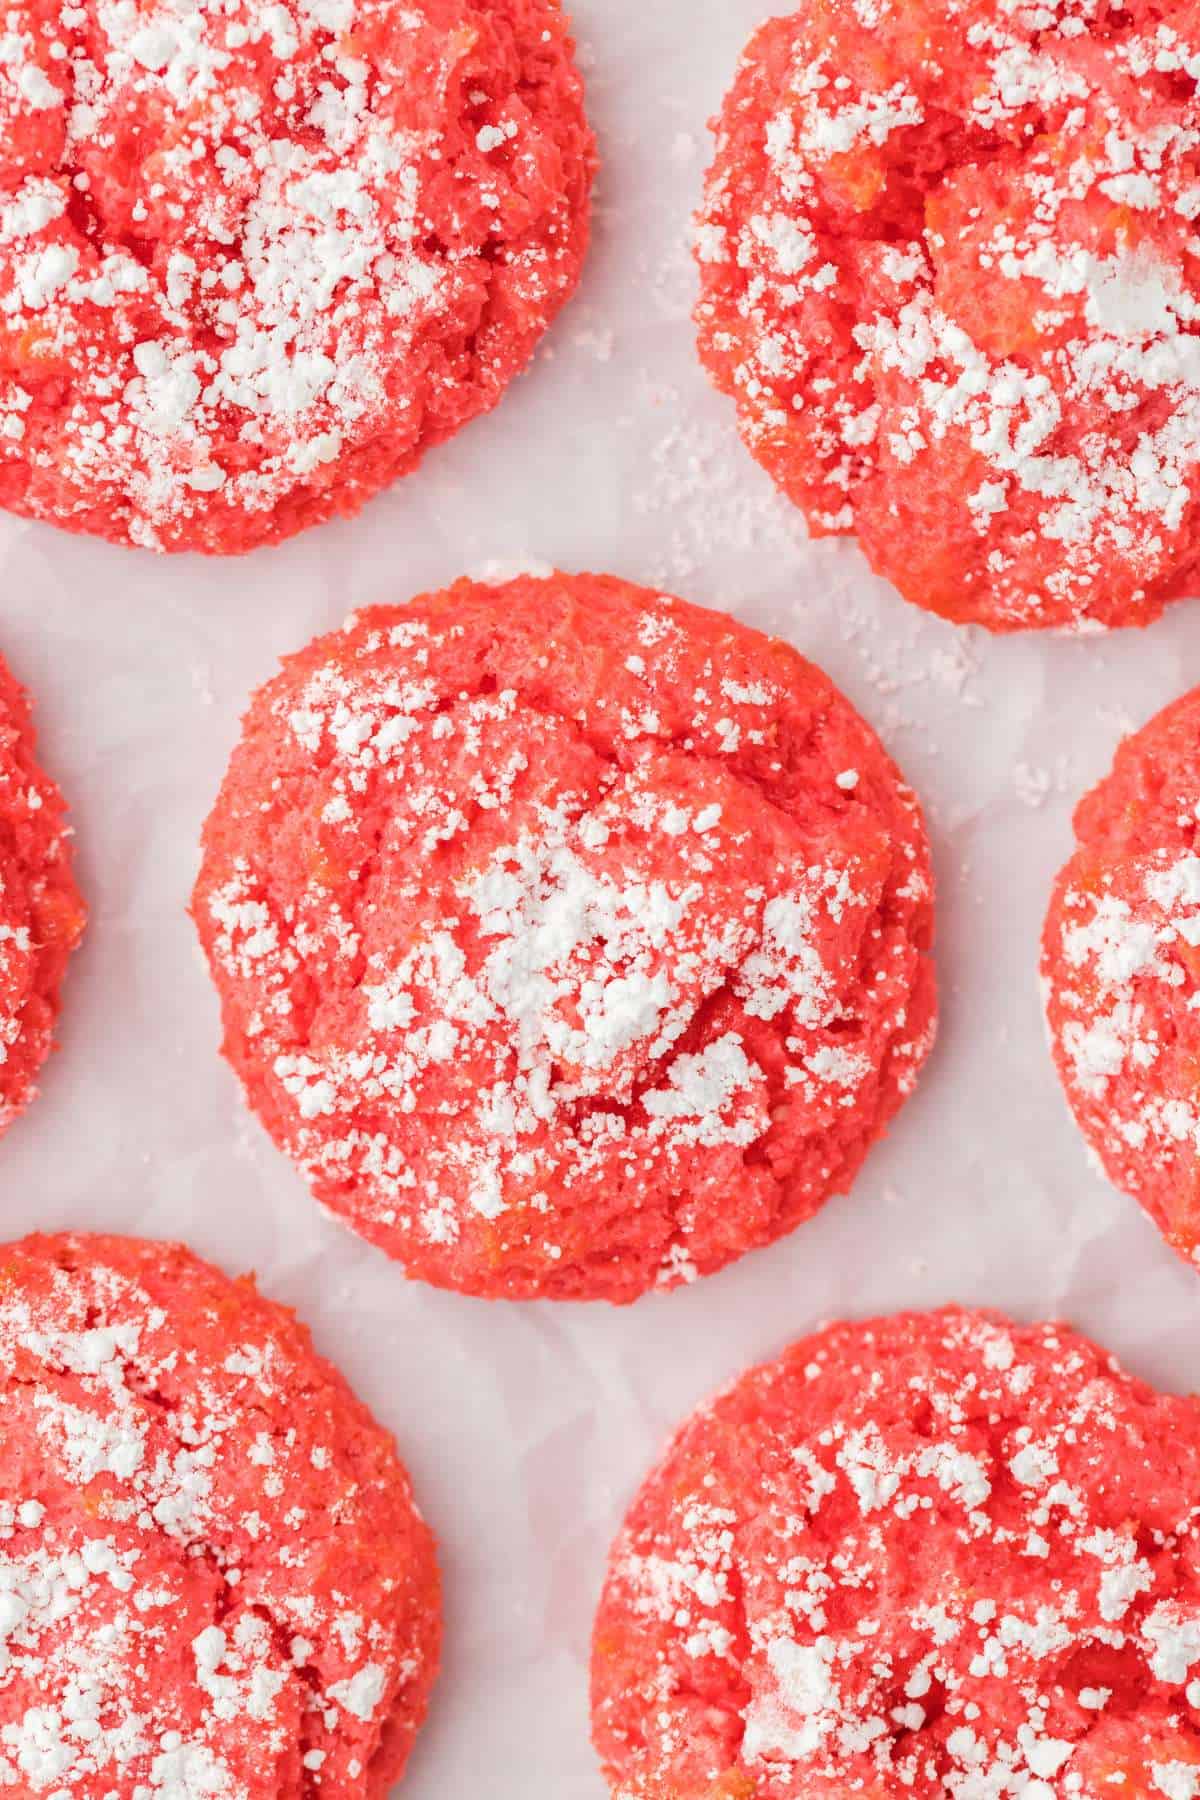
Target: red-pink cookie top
(1121,968)
(934,1555)
(214,1584)
(256,259)
(574,940)
(41,913)
(949,261)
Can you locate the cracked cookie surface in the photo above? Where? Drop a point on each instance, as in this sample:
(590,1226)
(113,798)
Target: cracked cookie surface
(949,274)
(256,260)
(214,1583)
(572,939)
(941,1555)
(1121,971)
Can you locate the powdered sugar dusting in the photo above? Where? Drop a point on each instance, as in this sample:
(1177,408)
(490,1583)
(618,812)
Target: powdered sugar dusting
(1123,989)
(609,966)
(41,914)
(190,1604)
(832,1584)
(250,233)
(1119,967)
(1005,360)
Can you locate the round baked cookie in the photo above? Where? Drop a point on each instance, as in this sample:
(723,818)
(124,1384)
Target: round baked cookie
(41,914)
(255,260)
(1121,971)
(931,1555)
(949,274)
(214,1583)
(572,939)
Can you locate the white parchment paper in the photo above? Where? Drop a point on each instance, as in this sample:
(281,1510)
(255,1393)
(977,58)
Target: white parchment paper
(527,1428)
